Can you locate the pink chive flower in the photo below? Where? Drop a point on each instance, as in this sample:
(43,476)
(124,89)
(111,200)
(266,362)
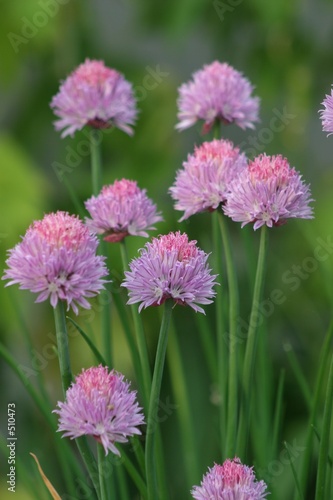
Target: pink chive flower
(121,209)
(57,259)
(203,183)
(170,267)
(268,192)
(100,404)
(230,481)
(94,95)
(217,93)
(326,114)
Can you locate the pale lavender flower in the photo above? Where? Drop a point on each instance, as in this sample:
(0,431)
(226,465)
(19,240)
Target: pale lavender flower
(94,95)
(326,114)
(170,267)
(100,404)
(217,93)
(230,481)
(57,259)
(203,183)
(268,192)
(121,209)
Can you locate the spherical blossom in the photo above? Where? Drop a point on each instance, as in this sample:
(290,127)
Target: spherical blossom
(268,192)
(326,114)
(170,267)
(94,95)
(204,181)
(121,209)
(217,92)
(100,404)
(230,481)
(57,259)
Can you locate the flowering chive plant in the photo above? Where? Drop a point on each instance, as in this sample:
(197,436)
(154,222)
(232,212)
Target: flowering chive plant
(100,404)
(57,259)
(232,480)
(219,93)
(97,96)
(204,182)
(121,209)
(62,260)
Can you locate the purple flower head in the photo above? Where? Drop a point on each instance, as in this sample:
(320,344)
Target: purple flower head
(121,209)
(326,114)
(268,192)
(100,404)
(57,259)
(217,93)
(97,96)
(230,481)
(170,267)
(204,181)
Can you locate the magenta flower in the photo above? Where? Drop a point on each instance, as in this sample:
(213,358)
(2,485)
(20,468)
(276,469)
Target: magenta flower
(217,93)
(230,481)
(94,95)
(326,114)
(170,267)
(203,183)
(268,192)
(121,209)
(57,259)
(100,404)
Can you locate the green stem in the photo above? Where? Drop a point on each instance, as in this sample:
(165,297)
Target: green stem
(101,470)
(325,438)
(96,163)
(134,474)
(62,345)
(66,379)
(232,410)
(140,337)
(326,350)
(188,433)
(106,315)
(222,358)
(251,344)
(154,402)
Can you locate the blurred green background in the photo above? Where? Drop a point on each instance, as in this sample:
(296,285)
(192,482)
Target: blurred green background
(285,49)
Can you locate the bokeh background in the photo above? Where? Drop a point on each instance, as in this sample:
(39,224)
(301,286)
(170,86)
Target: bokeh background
(285,49)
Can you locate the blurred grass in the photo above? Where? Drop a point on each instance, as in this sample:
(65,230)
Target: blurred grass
(285,50)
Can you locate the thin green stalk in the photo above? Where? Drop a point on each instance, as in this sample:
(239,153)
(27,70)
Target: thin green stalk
(140,336)
(123,484)
(134,474)
(106,315)
(181,391)
(232,410)
(326,350)
(153,492)
(293,470)
(96,163)
(62,345)
(301,380)
(101,472)
(66,379)
(74,198)
(325,437)
(222,341)
(277,414)
(99,358)
(251,344)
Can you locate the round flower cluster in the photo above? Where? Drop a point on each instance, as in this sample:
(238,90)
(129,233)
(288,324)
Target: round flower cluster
(94,95)
(57,259)
(217,93)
